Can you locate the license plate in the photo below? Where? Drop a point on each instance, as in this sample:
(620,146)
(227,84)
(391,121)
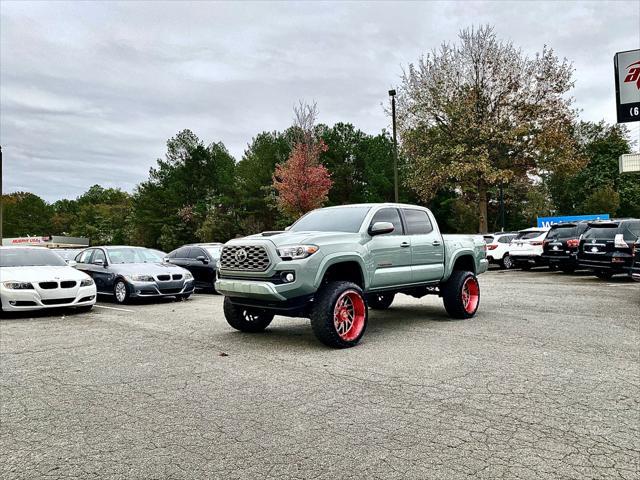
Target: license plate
(555,247)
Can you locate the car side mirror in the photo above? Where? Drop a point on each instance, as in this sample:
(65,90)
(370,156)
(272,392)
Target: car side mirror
(202,259)
(380,228)
(72,263)
(101,263)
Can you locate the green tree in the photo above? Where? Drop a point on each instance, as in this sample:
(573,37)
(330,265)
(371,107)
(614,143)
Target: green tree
(479,113)
(26,214)
(601,145)
(254,179)
(602,200)
(170,207)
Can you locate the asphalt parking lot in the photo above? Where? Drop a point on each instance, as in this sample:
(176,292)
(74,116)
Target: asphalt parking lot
(543,383)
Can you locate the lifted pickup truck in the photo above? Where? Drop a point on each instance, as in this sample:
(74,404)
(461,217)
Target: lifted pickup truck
(334,263)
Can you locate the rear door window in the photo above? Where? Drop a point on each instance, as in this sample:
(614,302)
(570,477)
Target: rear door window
(418,222)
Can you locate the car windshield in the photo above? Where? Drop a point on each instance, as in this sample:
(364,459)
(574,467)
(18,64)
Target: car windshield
(133,255)
(562,232)
(603,233)
(30,257)
(528,235)
(347,219)
(213,251)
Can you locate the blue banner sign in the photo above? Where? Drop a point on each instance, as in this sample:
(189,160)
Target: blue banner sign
(548,221)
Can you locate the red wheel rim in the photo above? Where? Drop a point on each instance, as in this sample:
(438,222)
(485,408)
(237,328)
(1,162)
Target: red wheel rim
(470,294)
(349,315)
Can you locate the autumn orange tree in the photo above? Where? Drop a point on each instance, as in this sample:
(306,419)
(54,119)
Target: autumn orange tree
(302,182)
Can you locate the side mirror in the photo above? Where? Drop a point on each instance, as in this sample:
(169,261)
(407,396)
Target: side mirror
(380,228)
(166,260)
(72,263)
(101,263)
(202,259)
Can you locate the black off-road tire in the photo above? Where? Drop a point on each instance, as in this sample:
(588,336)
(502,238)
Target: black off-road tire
(246,319)
(380,301)
(603,274)
(452,296)
(322,314)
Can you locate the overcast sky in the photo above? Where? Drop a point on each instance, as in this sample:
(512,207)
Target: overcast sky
(90,91)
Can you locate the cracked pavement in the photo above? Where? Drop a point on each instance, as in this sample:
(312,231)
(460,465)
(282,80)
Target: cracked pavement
(543,383)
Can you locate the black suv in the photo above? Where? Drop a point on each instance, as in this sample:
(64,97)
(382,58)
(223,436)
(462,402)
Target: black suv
(635,268)
(201,259)
(606,246)
(560,247)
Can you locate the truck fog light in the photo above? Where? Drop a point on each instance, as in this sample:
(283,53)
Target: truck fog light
(288,277)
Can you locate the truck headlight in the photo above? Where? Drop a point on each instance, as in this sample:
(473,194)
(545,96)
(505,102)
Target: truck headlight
(87,282)
(296,252)
(18,285)
(140,278)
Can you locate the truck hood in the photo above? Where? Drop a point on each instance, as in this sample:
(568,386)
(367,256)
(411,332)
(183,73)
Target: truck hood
(302,238)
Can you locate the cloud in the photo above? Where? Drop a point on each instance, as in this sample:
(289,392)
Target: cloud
(91,91)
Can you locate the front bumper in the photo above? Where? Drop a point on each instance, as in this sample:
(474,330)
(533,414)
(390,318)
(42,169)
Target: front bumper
(160,289)
(29,300)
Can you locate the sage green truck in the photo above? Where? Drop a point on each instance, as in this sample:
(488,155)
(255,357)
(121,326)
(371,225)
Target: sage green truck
(334,263)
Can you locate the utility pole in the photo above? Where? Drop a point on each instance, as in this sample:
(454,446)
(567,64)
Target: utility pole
(502,205)
(392,94)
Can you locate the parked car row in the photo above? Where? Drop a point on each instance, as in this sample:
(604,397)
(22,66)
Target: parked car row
(33,278)
(606,247)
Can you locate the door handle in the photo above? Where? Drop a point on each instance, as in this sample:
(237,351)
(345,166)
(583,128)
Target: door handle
(436,243)
(404,244)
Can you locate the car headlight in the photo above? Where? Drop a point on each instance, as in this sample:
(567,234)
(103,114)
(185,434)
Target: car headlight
(87,282)
(296,252)
(141,278)
(18,285)
(188,276)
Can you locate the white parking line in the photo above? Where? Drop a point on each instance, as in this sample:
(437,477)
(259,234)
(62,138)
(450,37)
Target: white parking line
(114,308)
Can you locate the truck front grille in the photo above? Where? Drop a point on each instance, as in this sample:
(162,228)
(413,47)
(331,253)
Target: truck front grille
(251,258)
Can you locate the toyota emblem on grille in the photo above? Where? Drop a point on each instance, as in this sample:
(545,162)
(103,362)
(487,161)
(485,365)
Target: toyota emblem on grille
(241,255)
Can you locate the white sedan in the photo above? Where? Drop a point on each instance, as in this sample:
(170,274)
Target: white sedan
(33,278)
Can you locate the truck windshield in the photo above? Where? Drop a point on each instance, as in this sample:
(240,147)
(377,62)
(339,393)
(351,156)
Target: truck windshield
(346,219)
